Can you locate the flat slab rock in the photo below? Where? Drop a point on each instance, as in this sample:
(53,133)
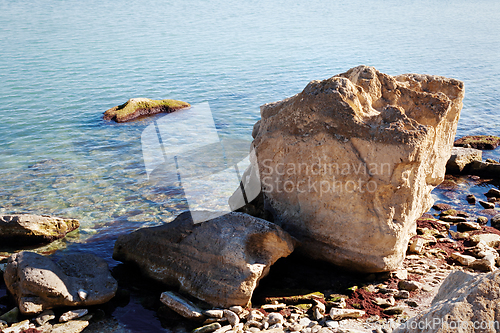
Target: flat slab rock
(348,164)
(30,229)
(39,284)
(219,261)
(483,142)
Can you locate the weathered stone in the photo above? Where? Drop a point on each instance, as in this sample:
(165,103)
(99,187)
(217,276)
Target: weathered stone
(384,302)
(73,314)
(484,169)
(463,298)
(275,318)
(137,107)
(462,259)
(461,159)
(38,283)
(273,307)
(181,305)
(468,226)
(208,328)
(74,326)
(493,192)
(484,142)
(486,204)
(236,309)
(339,314)
(348,164)
(232,317)
(416,245)
(44,317)
(214,313)
(28,229)
(491,240)
(18,327)
(408,285)
(482,220)
(394,310)
(402,294)
(219,261)
(471,199)
(495,221)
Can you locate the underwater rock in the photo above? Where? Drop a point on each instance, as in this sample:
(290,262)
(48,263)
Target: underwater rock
(137,107)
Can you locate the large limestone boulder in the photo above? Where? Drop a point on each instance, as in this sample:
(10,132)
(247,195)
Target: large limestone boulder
(465,302)
(26,229)
(348,164)
(219,261)
(39,284)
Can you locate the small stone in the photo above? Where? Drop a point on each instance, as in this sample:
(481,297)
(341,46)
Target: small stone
(273,307)
(10,316)
(401,274)
(462,259)
(275,318)
(426,288)
(19,327)
(394,310)
(484,265)
(207,328)
(250,330)
(416,245)
(73,314)
(82,294)
(295,327)
(232,317)
(181,305)
(495,221)
(253,323)
(74,326)
(384,302)
(338,314)
(402,294)
(214,313)
(255,315)
(491,240)
(459,235)
(471,199)
(408,285)
(304,321)
(236,309)
(482,219)
(388,291)
(224,329)
(441,206)
(468,226)
(45,317)
(332,324)
(493,192)
(486,204)
(277,326)
(3,324)
(452,219)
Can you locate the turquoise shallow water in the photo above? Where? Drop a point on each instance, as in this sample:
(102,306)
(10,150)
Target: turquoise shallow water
(63,63)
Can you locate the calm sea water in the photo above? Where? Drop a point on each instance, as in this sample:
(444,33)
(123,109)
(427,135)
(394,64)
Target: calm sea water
(63,63)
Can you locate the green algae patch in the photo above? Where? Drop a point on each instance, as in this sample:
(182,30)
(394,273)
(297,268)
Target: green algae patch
(486,142)
(138,107)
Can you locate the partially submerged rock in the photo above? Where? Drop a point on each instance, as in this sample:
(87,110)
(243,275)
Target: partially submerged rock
(464,300)
(219,261)
(483,142)
(348,164)
(461,159)
(26,229)
(37,283)
(181,305)
(137,107)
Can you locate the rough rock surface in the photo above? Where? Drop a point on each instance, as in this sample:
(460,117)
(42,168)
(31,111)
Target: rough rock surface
(28,229)
(461,158)
(487,142)
(137,107)
(219,261)
(348,164)
(38,283)
(464,299)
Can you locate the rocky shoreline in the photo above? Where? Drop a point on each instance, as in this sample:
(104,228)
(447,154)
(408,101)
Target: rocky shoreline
(355,257)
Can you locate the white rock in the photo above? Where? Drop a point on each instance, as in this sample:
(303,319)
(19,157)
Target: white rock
(232,317)
(332,324)
(82,294)
(275,318)
(236,309)
(338,314)
(463,259)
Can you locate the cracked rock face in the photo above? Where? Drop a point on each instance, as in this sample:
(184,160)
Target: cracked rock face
(348,164)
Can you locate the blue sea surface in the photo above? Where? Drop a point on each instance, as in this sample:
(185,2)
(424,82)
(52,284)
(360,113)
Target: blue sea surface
(63,63)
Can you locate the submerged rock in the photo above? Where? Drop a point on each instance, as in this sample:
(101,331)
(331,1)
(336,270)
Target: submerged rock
(219,261)
(137,107)
(29,229)
(37,283)
(465,302)
(348,164)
